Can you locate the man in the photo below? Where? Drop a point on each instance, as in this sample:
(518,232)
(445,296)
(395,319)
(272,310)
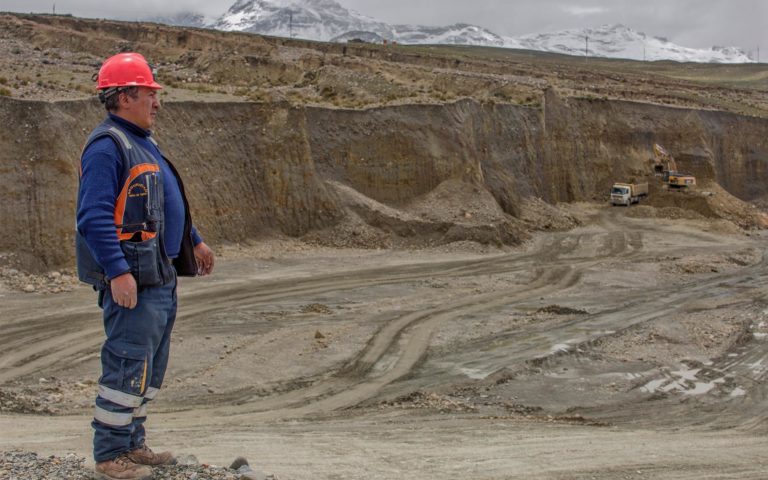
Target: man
(134,235)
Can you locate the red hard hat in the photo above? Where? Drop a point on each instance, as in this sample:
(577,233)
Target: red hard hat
(126,70)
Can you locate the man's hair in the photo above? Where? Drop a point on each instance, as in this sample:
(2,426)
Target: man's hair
(112,99)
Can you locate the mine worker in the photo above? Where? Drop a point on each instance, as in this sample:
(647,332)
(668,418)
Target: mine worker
(134,236)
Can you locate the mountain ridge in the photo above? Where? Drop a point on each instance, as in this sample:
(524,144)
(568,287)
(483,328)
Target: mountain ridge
(328,20)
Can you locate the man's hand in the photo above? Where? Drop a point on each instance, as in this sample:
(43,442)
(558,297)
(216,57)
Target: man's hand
(124,290)
(204,256)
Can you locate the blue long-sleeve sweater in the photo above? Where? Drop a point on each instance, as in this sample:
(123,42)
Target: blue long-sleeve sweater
(99,189)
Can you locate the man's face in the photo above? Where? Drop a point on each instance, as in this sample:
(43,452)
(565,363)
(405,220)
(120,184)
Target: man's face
(141,110)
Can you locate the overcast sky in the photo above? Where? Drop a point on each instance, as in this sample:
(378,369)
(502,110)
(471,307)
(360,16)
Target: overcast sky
(691,23)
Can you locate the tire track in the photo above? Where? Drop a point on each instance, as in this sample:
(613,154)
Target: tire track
(401,344)
(557,261)
(390,355)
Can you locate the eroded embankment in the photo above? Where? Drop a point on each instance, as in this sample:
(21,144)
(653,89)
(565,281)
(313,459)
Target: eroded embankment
(255,169)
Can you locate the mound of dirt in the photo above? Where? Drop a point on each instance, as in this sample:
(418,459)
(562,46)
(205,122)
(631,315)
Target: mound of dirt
(666,213)
(728,207)
(458,201)
(351,232)
(455,211)
(706,201)
(540,215)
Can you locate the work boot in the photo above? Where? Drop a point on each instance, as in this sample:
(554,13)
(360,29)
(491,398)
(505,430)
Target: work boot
(122,468)
(144,455)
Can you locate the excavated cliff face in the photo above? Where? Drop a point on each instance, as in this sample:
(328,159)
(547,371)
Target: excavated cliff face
(39,143)
(614,140)
(254,170)
(396,154)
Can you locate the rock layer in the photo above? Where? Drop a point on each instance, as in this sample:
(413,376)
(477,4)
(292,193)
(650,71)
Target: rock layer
(255,170)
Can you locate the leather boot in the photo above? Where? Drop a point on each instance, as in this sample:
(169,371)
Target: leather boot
(144,455)
(122,468)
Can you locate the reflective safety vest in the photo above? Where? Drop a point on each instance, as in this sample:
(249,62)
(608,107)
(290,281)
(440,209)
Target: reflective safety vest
(139,218)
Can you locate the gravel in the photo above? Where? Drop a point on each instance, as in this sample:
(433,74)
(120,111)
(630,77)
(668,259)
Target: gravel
(19,465)
(50,282)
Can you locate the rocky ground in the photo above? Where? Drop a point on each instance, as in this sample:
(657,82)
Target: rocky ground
(18,465)
(51,282)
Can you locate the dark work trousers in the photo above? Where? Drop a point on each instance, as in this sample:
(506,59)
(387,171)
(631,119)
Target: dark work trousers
(133,362)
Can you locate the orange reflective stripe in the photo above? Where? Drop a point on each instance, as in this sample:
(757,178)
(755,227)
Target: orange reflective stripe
(129,235)
(123,197)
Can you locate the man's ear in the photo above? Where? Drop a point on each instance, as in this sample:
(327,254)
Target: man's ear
(123,99)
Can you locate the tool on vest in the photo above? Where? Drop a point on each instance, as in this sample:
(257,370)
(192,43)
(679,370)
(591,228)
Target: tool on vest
(122,71)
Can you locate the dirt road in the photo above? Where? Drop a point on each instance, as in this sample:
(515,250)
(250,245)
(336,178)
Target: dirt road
(627,348)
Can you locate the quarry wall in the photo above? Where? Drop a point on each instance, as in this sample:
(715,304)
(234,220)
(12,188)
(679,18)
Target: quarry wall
(252,170)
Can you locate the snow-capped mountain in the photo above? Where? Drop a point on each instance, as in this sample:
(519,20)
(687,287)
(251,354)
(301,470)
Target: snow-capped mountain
(327,20)
(458,34)
(308,19)
(183,19)
(619,41)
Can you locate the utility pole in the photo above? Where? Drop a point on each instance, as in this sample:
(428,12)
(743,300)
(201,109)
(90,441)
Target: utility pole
(54,8)
(758,54)
(586,47)
(290,23)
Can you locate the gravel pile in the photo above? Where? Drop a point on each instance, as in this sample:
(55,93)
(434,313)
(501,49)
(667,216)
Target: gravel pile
(50,396)
(431,401)
(23,402)
(51,282)
(18,465)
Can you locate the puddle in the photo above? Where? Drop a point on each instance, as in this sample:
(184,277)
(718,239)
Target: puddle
(738,392)
(683,381)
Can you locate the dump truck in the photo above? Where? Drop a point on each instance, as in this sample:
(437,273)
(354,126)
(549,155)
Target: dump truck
(628,193)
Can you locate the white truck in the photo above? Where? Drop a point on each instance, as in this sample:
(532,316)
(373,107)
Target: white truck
(628,193)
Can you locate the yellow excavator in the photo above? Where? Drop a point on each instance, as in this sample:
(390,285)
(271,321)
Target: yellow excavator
(666,167)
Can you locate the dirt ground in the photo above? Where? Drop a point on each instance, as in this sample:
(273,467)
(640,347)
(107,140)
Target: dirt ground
(630,347)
